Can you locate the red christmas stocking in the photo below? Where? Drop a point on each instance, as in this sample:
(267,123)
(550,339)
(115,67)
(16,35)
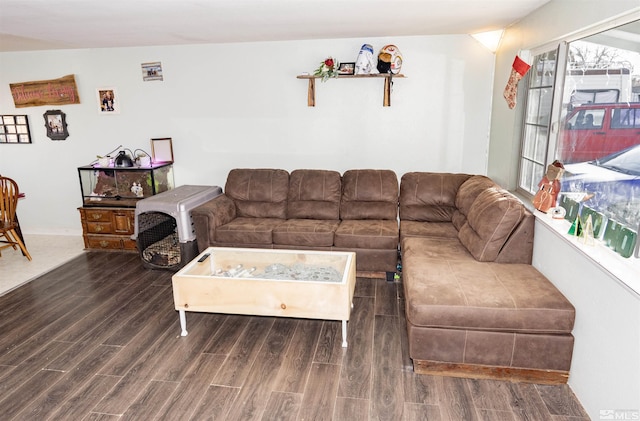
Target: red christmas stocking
(518,70)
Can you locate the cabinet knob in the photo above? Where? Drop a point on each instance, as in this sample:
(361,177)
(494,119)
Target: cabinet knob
(104,244)
(99,228)
(96,215)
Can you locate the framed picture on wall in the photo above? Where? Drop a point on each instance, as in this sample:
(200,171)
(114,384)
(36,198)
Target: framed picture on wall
(14,129)
(162,150)
(108,101)
(56,123)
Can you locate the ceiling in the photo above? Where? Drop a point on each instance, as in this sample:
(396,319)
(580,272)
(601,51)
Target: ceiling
(63,24)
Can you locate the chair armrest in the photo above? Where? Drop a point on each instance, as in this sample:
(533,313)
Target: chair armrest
(209,216)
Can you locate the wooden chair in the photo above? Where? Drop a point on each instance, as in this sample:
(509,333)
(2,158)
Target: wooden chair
(8,202)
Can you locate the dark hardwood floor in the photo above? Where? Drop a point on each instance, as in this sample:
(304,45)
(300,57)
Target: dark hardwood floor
(98,339)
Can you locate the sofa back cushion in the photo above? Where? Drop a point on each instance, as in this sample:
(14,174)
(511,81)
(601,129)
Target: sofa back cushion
(258,193)
(429,197)
(491,219)
(466,195)
(314,194)
(369,194)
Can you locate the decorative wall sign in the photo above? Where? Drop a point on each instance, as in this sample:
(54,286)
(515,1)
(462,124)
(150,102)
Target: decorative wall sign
(151,71)
(14,129)
(108,101)
(45,92)
(56,123)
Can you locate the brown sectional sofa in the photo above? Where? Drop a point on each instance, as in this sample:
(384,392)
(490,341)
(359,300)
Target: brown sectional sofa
(306,209)
(475,307)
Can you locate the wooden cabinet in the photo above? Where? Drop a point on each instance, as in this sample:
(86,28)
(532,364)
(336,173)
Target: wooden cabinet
(108,228)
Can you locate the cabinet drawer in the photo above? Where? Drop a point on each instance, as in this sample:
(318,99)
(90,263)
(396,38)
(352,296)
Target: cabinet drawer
(104,242)
(123,222)
(99,227)
(97,215)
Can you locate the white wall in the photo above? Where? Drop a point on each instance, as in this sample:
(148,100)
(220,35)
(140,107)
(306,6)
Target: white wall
(605,371)
(240,105)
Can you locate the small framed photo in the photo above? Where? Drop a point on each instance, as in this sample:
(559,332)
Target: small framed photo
(56,123)
(152,71)
(347,68)
(108,101)
(162,150)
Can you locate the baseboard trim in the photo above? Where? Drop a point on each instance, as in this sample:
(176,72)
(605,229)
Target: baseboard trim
(477,371)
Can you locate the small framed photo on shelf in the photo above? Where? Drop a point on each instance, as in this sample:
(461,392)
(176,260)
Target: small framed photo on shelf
(162,150)
(347,68)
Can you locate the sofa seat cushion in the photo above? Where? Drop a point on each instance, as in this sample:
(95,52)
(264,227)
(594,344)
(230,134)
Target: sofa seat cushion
(427,229)
(306,232)
(244,230)
(461,293)
(367,234)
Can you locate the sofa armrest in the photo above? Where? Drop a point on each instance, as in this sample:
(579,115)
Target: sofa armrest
(209,216)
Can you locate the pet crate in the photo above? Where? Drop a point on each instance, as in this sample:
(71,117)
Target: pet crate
(164,230)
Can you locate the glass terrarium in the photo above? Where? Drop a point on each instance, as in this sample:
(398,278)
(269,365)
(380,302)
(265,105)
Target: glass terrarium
(123,186)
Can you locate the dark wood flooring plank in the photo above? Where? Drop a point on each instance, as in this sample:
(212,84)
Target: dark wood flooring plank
(407,362)
(292,377)
(456,403)
(234,371)
(192,388)
(386,298)
(318,401)
(215,404)
(12,379)
(114,310)
(387,397)
(560,400)
(420,388)
(355,378)
(165,324)
(31,324)
(47,403)
(282,407)
(526,403)
(158,302)
(329,349)
(490,394)
(365,288)
(150,401)
(227,335)
(189,348)
(421,412)
(54,329)
(14,402)
(349,409)
(255,392)
(494,415)
(85,398)
(141,372)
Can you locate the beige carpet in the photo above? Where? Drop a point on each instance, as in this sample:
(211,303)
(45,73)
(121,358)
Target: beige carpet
(47,252)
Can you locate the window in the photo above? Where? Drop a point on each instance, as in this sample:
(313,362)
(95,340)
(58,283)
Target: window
(583,108)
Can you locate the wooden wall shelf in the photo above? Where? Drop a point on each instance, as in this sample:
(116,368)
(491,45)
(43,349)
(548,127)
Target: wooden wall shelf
(386,102)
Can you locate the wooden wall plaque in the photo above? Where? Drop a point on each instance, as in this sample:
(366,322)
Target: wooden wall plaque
(60,91)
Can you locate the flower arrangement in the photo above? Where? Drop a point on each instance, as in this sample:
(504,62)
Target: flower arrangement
(328,68)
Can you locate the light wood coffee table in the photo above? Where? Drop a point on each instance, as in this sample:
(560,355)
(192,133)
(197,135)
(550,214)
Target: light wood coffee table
(264,282)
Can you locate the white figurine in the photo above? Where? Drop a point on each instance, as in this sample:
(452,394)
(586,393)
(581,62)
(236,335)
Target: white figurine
(365,62)
(137,189)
